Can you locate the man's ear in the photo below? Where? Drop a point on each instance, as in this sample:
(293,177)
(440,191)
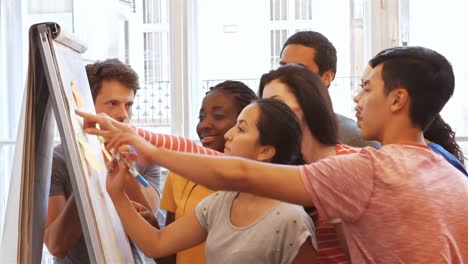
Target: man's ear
(399,99)
(266,153)
(327,77)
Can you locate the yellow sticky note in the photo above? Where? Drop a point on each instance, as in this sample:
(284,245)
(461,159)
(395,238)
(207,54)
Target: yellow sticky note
(89,154)
(106,153)
(77,95)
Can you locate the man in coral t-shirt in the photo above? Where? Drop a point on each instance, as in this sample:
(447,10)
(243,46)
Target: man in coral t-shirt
(402,203)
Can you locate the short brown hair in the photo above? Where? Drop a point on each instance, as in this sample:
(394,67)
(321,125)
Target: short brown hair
(111,69)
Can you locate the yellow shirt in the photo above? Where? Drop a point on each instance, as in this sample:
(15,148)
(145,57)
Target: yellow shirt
(180,196)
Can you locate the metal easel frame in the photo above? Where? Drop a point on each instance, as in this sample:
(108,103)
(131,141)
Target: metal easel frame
(46,33)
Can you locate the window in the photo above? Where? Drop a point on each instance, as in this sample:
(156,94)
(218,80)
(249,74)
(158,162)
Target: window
(278,10)
(286,18)
(303,10)
(126,42)
(278,37)
(253,43)
(423,30)
(153,102)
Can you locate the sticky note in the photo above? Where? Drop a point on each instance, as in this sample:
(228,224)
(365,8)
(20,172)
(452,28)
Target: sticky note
(89,154)
(106,153)
(77,95)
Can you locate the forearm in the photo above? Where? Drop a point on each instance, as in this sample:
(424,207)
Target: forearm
(175,143)
(63,233)
(274,181)
(183,234)
(224,174)
(171,259)
(145,236)
(148,196)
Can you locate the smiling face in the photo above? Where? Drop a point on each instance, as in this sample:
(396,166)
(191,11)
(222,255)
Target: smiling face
(373,106)
(242,140)
(115,99)
(218,114)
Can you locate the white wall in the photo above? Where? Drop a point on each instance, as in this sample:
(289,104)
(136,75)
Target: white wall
(334,23)
(97,20)
(437,25)
(237,55)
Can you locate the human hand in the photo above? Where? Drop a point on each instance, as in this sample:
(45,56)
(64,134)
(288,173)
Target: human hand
(149,216)
(108,127)
(117,177)
(144,150)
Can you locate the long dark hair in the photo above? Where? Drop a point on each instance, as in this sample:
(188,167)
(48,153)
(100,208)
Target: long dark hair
(279,127)
(441,133)
(312,96)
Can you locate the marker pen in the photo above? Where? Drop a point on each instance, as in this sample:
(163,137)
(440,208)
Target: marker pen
(130,169)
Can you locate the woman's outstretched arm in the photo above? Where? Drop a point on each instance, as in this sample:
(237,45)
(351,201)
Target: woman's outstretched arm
(184,233)
(217,173)
(223,173)
(175,143)
(108,128)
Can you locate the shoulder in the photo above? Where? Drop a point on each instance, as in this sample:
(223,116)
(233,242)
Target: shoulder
(349,162)
(350,134)
(289,209)
(447,156)
(139,167)
(58,160)
(152,174)
(294,210)
(440,150)
(174,177)
(149,171)
(213,208)
(221,197)
(216,201)
(346,155)
(296,223)
(347,125)
(175,182)
(293,218)
(59,179)
(342,149)
(393,156)
(59,152)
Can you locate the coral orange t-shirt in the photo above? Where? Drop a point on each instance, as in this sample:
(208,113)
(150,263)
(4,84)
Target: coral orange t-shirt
(398,204)
(330,249)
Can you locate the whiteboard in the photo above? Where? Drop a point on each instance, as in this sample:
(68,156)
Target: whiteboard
(110,238)
(57,85)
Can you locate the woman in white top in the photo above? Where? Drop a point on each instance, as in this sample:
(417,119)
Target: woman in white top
(237,227)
